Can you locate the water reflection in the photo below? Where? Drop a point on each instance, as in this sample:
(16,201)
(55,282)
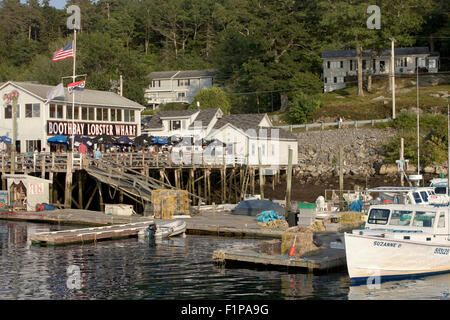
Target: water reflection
(178,268)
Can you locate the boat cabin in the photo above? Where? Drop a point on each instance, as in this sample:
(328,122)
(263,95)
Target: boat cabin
(440,185)
(408,195)
(411,220)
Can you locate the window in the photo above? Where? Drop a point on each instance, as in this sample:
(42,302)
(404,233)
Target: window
(119,114)
(364,64)
(77,112)
(417,197)
(441,221)
(328,64)
(68,112)
(126,115)
(52,111)
(400,218)
(59,111)
(424,196)
(374,65)
(342,64)
(326,80)
(184,82)
(156,83)
(424,219)
(351,65)
(105,114)
(335,79)
(378,216)
(8,112)
(441,190)
(33,145)
(432,63)
(382,66)
(91,114)
(175,125)
(99,114)
(181,94)
(32,110)
(84,113)
(113,115)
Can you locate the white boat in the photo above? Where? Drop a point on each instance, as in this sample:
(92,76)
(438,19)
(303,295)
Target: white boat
(170,229)
(399,241)
(409,195)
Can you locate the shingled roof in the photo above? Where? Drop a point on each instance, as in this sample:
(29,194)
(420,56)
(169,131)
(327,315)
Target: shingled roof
(330,54)
(183,74)
(156,122)
(86,96)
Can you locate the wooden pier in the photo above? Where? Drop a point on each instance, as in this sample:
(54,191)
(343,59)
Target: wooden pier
(89,234)
(82,182)
(328,259)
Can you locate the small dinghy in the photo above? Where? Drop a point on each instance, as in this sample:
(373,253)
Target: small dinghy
(170,229)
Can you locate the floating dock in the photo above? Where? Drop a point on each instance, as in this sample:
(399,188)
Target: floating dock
(88,234)
(330,256)
(328,260)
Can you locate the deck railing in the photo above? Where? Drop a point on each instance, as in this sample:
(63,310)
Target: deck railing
(336,124)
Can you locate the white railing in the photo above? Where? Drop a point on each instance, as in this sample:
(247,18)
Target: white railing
(337,124)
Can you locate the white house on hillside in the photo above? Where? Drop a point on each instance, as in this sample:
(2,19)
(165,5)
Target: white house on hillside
(341,65)
(177,86)
(245,135)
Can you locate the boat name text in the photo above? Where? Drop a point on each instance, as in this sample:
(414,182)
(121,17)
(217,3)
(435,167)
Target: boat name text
(441,251)
(385,244)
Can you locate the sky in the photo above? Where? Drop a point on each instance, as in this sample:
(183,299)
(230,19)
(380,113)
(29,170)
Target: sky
(59,4)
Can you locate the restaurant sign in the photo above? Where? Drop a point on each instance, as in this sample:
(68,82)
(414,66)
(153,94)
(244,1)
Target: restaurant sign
(90,129)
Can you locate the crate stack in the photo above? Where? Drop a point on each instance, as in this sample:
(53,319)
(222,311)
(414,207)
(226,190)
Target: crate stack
(167,203)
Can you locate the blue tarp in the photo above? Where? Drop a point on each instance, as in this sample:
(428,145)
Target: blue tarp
(267,216)
(255,207)
(356,206)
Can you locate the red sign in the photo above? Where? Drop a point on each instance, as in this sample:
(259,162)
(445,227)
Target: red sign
(90,129)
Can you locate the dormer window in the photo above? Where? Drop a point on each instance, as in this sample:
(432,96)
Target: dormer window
(175,125)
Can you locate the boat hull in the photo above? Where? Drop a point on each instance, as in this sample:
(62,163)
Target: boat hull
(371,258)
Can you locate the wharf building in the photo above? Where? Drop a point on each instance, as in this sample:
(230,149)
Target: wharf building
(94,113)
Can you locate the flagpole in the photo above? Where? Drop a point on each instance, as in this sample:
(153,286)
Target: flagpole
(73,91)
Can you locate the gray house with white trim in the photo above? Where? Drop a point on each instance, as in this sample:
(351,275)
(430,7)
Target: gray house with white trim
(177,86)
(341,65)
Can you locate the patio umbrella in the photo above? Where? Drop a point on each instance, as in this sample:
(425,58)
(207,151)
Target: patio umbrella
(143,140)
(79,139)
(59,139)
(158,140)
(6,139)
(104,139)
(125,141)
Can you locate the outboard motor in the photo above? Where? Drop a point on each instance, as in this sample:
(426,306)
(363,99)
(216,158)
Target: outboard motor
(150,232)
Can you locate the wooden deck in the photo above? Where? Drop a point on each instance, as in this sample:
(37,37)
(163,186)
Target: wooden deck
(328,259)
(57,162)
(89,234)
(72,217)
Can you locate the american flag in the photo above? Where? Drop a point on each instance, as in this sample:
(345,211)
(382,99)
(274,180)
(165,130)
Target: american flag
(63,53)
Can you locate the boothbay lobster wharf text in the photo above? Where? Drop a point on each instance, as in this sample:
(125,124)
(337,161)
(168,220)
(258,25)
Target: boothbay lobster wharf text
(90,129)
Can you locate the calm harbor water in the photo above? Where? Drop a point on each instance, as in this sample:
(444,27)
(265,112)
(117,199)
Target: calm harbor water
(177,269)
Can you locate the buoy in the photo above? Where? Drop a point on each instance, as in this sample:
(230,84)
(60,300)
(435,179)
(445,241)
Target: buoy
(292,251)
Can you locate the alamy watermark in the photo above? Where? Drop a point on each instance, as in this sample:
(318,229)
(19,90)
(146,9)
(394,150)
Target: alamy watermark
(74,277)
(374,21)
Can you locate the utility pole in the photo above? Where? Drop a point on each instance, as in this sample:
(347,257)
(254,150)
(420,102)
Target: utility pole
(121,86)
(392,82)
(13,97)
(418,122)
(288,184)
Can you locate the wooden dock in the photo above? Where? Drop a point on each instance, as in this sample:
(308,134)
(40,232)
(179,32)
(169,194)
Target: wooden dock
(89,234)
(327,260)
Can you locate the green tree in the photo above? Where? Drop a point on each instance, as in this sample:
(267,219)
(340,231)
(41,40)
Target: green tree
(302,108)
(211,98)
